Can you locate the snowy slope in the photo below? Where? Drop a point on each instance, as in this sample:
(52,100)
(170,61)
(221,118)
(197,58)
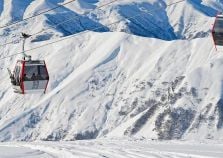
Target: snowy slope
(111,148)
(113,84)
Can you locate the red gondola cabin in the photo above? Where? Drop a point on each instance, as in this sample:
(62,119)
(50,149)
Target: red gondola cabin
(30,76)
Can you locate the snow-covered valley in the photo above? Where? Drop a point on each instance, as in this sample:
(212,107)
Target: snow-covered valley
(112,148)
(156,76)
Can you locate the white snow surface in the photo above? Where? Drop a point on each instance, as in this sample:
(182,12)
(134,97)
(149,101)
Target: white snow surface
(111,148)
(157,76)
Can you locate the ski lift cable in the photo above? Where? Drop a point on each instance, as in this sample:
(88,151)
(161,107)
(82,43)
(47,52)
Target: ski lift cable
(72,36)
(63,22)
(43,12)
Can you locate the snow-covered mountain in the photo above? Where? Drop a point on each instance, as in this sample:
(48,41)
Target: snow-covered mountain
(153,76)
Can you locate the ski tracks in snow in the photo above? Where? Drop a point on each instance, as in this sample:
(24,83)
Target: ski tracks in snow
(114,149)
